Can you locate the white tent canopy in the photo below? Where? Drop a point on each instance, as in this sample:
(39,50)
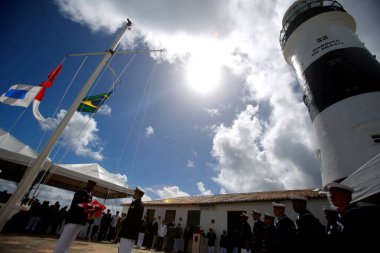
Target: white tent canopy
(366,180)
(108,185)
(16,157)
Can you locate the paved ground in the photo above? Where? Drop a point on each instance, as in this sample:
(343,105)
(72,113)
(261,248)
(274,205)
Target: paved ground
(21,243)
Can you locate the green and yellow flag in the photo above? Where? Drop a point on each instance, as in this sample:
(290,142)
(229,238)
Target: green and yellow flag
(92,103)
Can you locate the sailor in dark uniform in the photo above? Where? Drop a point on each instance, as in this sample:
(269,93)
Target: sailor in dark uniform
(76,217)
(257,231)
(331,230)
(245,234)
(130,225)
(309,228)
(286,229)
(357,222)
(269,238)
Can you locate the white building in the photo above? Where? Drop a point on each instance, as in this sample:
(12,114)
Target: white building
(221,212)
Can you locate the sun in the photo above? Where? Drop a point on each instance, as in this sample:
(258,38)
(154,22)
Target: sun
(203,75)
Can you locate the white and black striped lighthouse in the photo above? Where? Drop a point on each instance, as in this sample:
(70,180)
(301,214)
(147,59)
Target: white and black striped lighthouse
(340,79)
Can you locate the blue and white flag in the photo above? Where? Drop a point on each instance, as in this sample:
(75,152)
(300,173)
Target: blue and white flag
(20,95)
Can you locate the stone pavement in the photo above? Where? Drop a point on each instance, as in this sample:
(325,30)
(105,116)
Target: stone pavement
(22,243)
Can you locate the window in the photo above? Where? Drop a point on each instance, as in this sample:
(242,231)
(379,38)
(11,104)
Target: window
(193,218)
(170,216)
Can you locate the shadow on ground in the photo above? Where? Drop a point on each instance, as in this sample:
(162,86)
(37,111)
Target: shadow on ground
(22,243)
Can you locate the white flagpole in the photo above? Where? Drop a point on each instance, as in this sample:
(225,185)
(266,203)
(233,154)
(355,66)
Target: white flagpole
(30,175)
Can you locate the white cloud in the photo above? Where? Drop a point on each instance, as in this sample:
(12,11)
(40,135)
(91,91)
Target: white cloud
(149,131)
(119,178)
(252,159)
(170,192)
(6,185)
(203,190)
(268,146)
(80,135)
(190,164)
(213,112)
(105,110)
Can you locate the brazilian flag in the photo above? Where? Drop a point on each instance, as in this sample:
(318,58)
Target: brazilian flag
(92,103)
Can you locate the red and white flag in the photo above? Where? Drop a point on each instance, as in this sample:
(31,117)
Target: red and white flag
(46,84)
(95,206)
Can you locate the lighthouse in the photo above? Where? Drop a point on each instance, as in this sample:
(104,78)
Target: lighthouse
(340,80)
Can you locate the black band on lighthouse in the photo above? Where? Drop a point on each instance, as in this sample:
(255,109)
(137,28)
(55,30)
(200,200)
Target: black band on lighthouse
(337,75)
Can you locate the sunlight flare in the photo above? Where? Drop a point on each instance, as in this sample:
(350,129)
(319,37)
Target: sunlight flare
(203,75)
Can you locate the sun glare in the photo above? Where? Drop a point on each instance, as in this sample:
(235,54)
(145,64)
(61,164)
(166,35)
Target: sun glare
(203,76)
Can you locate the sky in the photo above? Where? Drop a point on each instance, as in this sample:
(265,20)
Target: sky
(218,111)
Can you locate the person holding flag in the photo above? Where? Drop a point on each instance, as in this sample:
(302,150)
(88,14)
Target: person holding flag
(76,217)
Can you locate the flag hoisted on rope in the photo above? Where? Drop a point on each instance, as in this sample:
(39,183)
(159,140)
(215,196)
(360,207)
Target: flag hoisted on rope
(92,103)
(20,95)
(46,84)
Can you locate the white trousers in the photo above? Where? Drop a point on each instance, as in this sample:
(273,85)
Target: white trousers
(242,250)
(210,249)
(69,233)
(126,245)
(223,250)
(176,245)
(140,239)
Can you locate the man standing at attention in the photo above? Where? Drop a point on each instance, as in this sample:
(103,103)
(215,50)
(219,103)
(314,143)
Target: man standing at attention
(257,231)
(285,229)
(76,218)
(131,224)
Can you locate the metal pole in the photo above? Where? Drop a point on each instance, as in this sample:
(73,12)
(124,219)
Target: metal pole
(30,175)
(118,52)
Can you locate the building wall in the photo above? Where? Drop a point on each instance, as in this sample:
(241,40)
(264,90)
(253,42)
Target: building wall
(218,213)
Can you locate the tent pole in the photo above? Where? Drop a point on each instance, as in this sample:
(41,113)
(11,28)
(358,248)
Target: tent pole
(30,175)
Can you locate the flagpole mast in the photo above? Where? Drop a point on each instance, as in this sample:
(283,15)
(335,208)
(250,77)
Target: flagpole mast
(30,175)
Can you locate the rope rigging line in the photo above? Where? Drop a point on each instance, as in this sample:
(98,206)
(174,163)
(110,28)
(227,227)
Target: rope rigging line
(64,95)
(40,142)
(117,80)
(149,87)
(44,179)
(23,111)
(52,169)
(45,130)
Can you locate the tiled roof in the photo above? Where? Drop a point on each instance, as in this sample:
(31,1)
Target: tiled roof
(236,198)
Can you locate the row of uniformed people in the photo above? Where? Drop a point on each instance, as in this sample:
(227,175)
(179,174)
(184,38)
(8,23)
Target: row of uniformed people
(350,226)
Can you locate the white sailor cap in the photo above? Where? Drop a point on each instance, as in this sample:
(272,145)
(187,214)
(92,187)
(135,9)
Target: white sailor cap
(256,211)
(334,185)
(298,197)
(330,209)
(268,215)
(275,204)
(244,214)
(138,188)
